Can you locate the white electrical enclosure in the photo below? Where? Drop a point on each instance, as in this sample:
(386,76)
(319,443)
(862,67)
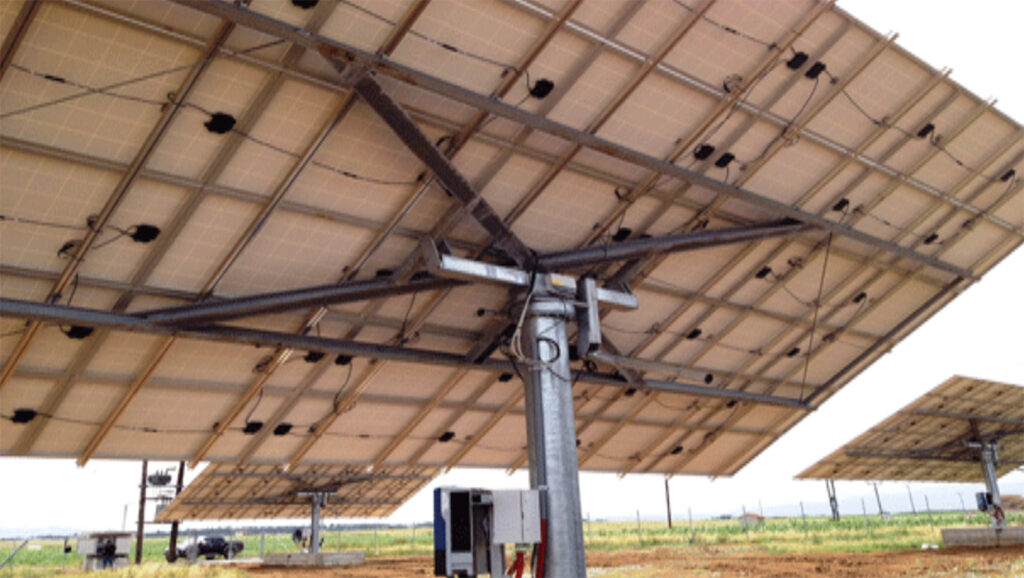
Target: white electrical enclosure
(516,517)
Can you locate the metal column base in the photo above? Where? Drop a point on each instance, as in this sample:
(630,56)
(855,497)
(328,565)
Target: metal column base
(551,435)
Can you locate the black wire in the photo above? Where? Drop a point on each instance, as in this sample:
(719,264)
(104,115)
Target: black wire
(817,307)
(105,90)
(13,332)
(932,141)
(50,224)
(259,398)
(337,395)
(729,29)
(741,100)
(431,40)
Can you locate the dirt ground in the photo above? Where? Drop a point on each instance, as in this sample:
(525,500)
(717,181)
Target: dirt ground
(665,562)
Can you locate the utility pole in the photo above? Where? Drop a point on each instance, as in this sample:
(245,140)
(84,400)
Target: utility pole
(172,548)
(142,514)
(668,504)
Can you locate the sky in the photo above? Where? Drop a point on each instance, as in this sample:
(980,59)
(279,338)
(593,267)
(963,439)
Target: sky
(977,335)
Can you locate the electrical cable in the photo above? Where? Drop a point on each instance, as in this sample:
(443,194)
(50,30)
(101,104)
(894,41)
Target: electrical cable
(105,90)
(932,140)
(259,398)
(49,224)
(729,29)
(192,106)
(429,39)
(337,395)
(817,307)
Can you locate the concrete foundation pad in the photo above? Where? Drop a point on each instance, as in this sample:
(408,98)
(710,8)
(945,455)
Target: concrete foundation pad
(350,558)
(987,537)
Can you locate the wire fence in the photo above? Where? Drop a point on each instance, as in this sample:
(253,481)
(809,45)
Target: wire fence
(861,532)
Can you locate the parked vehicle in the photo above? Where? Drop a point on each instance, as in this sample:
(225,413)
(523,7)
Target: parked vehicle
(209,547)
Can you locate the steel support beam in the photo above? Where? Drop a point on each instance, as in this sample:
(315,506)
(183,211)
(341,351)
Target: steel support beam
(636,248)
(911,456)
(435,160)
(16,33)
(276,302)
(967,416)
(212,312)
(551,435)
(345,56)
(470,270)
(44,312)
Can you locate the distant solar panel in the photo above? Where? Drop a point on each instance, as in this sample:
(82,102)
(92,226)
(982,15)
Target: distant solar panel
(163,160)
(934,438)
(227,491)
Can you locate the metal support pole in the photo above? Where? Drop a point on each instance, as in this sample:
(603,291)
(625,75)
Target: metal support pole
(551,435)
(668,504)
(314,533)
(172,548)
(988,469)
(830,486)
(803,516)
(142,514)
(878,498)
(963,506)
(913,509)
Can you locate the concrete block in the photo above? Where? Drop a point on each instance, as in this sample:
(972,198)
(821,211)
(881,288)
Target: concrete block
(984,537)
(349,558)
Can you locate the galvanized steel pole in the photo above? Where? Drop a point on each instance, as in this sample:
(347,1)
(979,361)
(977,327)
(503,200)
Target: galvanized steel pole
(988,469)
(551,435)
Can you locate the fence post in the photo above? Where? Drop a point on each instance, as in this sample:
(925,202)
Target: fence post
(931,521)
(803,516)
(639,535)
(962,505)
(864,507)
(913,510)
(689,514)
(744,520)
(262,543)
(376,549)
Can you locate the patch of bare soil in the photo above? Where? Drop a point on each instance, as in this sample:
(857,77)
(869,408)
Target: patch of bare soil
(665,562)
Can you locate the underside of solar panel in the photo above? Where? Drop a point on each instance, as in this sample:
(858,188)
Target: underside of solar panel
(218,224)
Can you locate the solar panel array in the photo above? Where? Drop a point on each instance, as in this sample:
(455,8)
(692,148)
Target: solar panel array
(226,491)
(262,171)
(927,440)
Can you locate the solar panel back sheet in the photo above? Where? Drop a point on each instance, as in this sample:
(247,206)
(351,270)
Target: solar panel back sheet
(929,439)
(228,491)
(160,155)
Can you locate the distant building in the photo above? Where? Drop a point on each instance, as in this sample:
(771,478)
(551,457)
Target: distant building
(750,519)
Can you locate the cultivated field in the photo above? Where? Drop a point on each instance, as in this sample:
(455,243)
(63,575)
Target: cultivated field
(856,546)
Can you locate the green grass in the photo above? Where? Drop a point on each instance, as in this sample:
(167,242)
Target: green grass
(779,535)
